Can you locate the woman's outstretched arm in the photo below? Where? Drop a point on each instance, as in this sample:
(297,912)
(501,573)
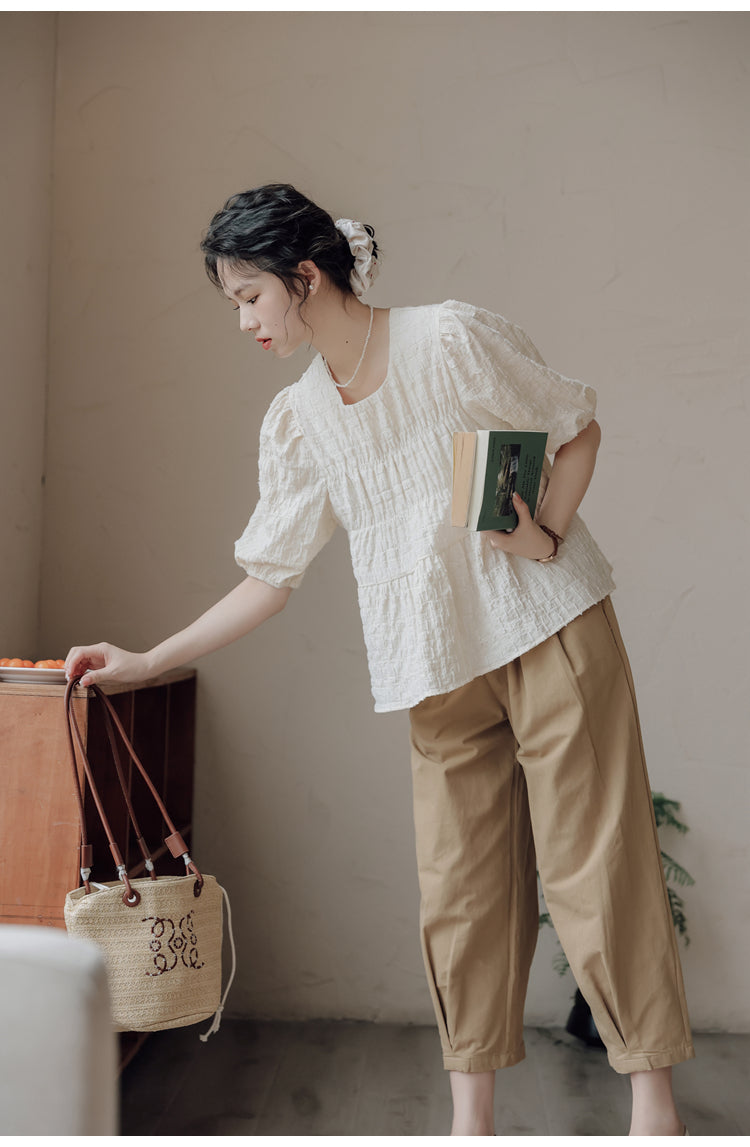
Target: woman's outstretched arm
(243,609)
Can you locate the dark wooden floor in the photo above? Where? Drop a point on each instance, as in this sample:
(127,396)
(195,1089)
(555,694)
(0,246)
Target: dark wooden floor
(350,1078)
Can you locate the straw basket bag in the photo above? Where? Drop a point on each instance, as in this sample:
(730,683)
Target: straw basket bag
(161,935)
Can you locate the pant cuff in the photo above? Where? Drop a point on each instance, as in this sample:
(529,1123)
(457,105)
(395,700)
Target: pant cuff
(647,1061)
(484,1061)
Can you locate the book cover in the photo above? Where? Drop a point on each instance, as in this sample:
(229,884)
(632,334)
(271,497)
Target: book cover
(488,466)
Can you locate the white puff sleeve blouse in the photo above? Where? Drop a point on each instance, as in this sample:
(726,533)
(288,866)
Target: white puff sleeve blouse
(293,519)
(498,371)
(439,605)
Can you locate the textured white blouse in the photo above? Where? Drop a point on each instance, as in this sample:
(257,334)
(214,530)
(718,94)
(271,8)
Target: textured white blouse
(439,606)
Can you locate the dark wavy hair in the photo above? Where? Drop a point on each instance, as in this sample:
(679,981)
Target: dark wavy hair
(273,228)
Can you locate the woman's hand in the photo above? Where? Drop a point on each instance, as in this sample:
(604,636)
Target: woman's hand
(103,663)
(527,539)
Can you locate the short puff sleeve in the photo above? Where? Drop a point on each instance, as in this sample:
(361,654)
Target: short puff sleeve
(293,519)
(497,371)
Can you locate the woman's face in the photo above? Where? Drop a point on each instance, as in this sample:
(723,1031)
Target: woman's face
(265,309)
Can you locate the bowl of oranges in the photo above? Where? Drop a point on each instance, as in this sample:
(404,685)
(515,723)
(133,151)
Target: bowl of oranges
(21,671)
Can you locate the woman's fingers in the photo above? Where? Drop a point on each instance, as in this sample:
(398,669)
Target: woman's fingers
(94,677)
(527,540)
(97,664)
(522,509)
(86,658)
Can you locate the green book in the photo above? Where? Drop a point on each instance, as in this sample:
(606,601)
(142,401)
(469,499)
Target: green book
(488,466)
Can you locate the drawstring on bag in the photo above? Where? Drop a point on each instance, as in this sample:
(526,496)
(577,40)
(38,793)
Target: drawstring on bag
(217,1016)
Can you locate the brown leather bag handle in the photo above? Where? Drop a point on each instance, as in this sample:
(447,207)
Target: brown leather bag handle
(174,841)
(131,896)
(147,859)
(85,857)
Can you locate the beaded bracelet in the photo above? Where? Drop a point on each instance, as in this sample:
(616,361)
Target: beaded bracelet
(555,538)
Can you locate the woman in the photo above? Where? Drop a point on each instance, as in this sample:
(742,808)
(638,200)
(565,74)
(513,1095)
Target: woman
(504,647)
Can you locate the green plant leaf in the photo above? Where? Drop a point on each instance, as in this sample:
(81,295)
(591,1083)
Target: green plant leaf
(678,914)
(675,871)
(664,811)
(560,963)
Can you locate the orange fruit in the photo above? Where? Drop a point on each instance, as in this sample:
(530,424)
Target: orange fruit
(28,664)
(4,661)
(15,663)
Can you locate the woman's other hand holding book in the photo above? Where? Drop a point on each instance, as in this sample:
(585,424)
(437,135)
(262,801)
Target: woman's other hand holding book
(528,540)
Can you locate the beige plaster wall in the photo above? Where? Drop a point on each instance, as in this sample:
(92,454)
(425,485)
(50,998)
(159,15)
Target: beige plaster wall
(27,72)
(585,174)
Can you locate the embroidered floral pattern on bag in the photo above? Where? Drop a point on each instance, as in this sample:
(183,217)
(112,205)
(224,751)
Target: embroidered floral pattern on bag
(171,946)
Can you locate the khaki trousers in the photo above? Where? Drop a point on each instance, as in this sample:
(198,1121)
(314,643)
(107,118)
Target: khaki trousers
(540,764)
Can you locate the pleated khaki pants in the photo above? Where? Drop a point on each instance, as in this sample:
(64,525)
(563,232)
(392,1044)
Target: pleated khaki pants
(540,764)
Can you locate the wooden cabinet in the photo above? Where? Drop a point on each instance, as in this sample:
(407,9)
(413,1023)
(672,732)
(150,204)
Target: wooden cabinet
(39,827)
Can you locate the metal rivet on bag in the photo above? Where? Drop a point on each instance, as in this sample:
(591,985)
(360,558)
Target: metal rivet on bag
(197,888)
(132,900)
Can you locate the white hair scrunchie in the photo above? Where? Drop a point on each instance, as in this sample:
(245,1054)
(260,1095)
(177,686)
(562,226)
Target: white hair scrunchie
(365,270)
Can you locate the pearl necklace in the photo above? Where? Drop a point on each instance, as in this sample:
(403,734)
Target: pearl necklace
(343,385)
